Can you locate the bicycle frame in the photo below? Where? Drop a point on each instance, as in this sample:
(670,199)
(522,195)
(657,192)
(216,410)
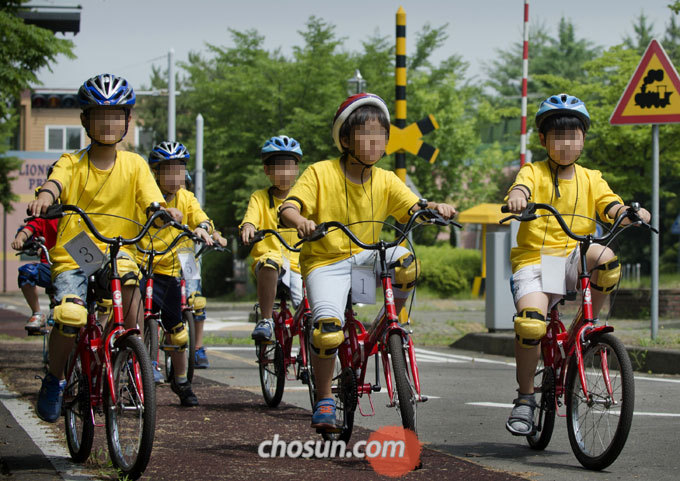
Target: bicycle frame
(287,326)
(360,345)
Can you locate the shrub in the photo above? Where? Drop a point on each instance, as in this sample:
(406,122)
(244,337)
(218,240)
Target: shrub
(448,270)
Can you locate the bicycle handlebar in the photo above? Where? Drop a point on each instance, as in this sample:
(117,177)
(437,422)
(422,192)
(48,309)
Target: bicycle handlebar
(56,211)
(433,216)
(260,235)
(529,214)
(33,245)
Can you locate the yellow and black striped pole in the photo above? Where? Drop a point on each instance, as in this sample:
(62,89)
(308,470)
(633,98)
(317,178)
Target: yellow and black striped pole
(400,90)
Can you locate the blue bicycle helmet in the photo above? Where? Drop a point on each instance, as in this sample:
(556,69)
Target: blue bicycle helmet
(563,104)
(281,145)
(168,151)
(106,90)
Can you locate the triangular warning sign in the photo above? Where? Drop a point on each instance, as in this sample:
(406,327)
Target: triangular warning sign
(653,94)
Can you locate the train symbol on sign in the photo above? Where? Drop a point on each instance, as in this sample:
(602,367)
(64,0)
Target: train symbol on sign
(659,98)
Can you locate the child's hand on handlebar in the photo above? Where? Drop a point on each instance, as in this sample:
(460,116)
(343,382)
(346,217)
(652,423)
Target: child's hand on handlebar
(202,234)
(39,205)
(517,201)
(447,211)
(642,213)
(175,213)
(305,228)
(247,233)
(217,237)
(17,244)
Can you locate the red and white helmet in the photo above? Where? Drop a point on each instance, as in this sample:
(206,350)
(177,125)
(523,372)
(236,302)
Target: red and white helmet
(350,105)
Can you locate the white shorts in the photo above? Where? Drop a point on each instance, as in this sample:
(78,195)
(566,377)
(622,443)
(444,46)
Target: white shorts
(528,280)
(328,286)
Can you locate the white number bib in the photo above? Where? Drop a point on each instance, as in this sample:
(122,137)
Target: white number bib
(363,285)
(85,252)
(190,269)
(553,274)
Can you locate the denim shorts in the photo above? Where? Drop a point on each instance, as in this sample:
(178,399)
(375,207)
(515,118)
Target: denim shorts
(35,274)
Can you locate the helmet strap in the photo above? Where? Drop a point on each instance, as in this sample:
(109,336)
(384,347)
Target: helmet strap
(557,170)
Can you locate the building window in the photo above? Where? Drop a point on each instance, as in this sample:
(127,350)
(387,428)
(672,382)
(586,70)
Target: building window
(63,138)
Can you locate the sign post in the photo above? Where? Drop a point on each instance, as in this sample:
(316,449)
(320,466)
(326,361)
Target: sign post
(652,97)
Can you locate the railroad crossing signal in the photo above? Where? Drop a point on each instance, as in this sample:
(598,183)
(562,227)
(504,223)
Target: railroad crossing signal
(408,139)
(653,93)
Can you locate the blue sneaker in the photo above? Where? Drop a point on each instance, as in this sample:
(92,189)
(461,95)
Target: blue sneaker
(201,359)
(324,414)
(157,374)
(50,397)
(263,330)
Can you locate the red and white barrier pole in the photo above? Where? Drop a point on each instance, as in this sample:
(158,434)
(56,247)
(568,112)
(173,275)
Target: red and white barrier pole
(525,75)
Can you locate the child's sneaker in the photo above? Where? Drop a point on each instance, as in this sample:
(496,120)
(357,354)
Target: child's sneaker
(35,324)
(186,395)
(157,374)
(50,397)
(201,359)
(324,414)
(263,330)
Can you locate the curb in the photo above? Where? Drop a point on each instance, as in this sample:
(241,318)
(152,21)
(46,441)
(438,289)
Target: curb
(647,360)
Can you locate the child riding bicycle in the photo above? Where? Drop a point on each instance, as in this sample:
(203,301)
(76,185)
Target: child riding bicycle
(111,186)
(35,274)
(280,156)
(353,191)
(167,161)
(542,246)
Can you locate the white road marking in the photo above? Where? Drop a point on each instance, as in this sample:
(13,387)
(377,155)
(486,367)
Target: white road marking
(460,357)
(50,445)
(657,379)
(616,413)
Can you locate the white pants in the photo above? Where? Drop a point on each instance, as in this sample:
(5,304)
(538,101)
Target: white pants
(328,286)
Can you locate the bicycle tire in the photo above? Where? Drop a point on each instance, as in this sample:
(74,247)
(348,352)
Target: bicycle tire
(189,352)
(623,386)
(272,372)
(151,338)
(544,414)
(345,404)
(404,391)
(131,352)
(79,435)
(311,382)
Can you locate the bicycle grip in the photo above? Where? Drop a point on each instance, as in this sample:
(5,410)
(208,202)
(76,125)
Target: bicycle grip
(505,209)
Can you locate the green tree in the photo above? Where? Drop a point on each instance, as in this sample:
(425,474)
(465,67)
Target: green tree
(643,34)
(24,50)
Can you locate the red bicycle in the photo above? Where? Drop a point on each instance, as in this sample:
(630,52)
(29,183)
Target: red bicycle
(585,365)
(387,340)
(109,371)
(275,357)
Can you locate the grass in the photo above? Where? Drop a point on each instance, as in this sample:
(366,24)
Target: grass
(7,337)
(666,281)
(212,340)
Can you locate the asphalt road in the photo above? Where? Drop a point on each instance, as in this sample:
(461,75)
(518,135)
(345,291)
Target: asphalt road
(469,401)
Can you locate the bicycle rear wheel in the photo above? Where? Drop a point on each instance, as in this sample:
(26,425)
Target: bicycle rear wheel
(406,397)
(598,426)
(272,371)
(151,338)
(78,415)
(131,421)
(544,414)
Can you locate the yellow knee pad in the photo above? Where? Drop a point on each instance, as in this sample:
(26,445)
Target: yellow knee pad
(608,276)
(530,327)
(70,315)
(128,270)
(197,303)
(406,271)
(326,337)
(178,336)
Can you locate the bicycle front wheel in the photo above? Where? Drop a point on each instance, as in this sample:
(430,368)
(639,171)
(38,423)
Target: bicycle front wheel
(272,371)
(406,398)
(78,415)
(598,424)
(131,421)
(311,384)
(151,337)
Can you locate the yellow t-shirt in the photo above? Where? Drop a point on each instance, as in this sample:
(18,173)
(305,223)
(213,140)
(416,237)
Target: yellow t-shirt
(324,194)
(262,212)
(584,194)
(124,190)
(159,239)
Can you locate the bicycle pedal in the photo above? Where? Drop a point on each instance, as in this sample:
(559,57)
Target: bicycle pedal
(423,399)
(171,348)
